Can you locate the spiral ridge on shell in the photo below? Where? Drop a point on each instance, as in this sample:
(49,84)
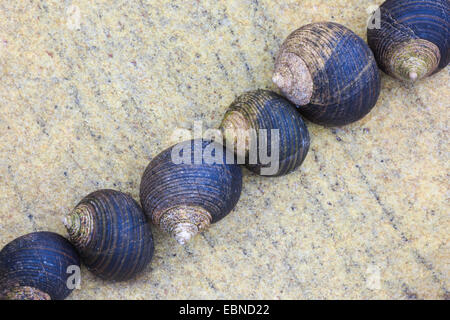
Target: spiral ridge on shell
(35,267)
(345,78)
(193,194)
(112,235)
(265,111)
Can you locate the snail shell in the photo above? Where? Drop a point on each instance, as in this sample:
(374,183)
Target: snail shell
(35,267)
(329,72)
(184,198)
(111,233)
(413,41)
(265,110)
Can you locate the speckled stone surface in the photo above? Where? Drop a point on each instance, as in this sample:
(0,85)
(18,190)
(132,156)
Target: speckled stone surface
(85,104)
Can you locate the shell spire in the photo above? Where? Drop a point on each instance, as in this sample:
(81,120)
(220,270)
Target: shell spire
(293,78)
(412,60)
(183,232)
(183,222)
(24,293)
(79,225)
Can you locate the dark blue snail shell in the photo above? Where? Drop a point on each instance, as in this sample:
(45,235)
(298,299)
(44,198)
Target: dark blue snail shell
(112,235)
(36,267)
(412,38)
(329,73)
(189,186)
(278,129)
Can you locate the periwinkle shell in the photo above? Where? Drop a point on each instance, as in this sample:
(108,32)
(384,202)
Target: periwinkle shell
(184,197)
(412,39)
(112,235)
(329,72)
(272,116)
(36,267)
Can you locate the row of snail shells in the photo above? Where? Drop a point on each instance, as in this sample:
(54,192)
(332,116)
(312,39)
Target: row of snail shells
(412,40)
(329,73)
(262,123)
(330,76)
(35,267)
(111,234)
(190,186)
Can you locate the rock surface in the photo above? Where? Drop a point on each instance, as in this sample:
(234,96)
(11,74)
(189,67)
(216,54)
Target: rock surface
(91,90)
